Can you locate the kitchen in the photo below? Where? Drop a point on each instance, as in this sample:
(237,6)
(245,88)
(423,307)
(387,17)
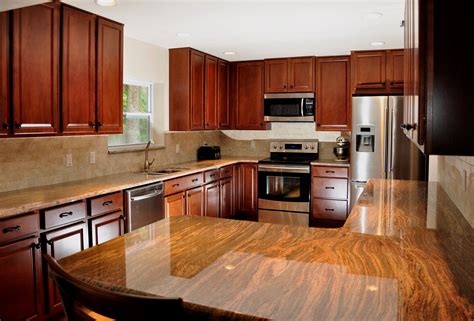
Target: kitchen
(75,190)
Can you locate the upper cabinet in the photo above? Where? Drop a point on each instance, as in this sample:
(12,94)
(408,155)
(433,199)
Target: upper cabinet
(211,94)
(223,94)
(4,74)
(333,93)
(289,75)
(35,36)
(377,72)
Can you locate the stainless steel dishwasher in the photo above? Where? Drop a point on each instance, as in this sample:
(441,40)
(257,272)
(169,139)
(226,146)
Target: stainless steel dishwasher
(144,205)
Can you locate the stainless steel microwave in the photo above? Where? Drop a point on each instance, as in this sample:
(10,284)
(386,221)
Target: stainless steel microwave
(291,107)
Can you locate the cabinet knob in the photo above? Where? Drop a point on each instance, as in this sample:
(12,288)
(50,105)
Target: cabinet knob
(5,125)
(284,86)
(407,126)
(123,218)
(17,125)
(91,124)
(99,124)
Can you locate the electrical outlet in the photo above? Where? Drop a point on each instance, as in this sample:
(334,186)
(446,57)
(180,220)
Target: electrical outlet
(68,160)
(177,148)
(252,144)
(92,157)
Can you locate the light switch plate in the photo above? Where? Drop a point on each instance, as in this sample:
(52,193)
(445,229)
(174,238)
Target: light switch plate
(92,157)
(177,148)
(68,160)
(252,144)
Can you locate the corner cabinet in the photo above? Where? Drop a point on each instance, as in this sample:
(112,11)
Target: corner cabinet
(333,93)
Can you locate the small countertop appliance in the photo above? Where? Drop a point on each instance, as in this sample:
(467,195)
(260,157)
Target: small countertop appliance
(342,149)
(208,152)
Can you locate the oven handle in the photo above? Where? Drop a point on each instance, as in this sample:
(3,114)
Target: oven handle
(284,169)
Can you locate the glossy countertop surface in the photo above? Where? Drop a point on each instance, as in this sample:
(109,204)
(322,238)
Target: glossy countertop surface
(405,253)
(26,200)
(331,162)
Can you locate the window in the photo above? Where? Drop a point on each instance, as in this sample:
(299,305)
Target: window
(137,114)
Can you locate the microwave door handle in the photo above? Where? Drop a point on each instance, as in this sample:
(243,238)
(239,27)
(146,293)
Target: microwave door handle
(302,106)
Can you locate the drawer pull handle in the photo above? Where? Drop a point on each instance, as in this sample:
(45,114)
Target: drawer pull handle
(329,209)
(175,185)
(195,180)
(212,175)
(11,229)
(329,187)
(65,214)
(107,203)
(330,172)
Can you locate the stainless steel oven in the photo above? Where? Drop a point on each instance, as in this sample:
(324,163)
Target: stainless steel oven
(290,107)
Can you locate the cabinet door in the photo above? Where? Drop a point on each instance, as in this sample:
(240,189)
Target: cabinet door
(226,198)
(195,201)
(175,205)
(210,108)
(4,73)
(109,77)
(249,95)
(223,94)
(333,93)
(395,70)
(21,297)
(107,227)
(35,69)
(276,75)
(368,71)
(61,243)
(211,199)
(237,178)
(197,90)
(300,74)
(78,71)
(249,189)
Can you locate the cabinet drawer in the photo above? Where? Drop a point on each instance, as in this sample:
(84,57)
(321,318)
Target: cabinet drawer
(329,188)
(211,176)
(106,204)
(325,171)
(14,228)
(64,214)
(329,209)
(183,183)
(226,172)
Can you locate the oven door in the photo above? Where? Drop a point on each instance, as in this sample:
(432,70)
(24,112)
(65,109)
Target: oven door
(284,187)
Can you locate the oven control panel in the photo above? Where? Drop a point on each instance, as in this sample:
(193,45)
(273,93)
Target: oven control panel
(310,146)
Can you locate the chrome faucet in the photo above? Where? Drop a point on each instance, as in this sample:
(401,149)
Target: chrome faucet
(147,162)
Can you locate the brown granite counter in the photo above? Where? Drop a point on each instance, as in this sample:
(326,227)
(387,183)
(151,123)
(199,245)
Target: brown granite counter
(26,200)
(404,254)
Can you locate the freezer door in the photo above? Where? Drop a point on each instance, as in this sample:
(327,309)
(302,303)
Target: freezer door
(368,145)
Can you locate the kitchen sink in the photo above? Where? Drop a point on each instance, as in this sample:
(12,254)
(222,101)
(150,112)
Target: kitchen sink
(165,171)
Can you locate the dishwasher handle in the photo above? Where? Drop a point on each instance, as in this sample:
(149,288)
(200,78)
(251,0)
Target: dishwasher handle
(146,196)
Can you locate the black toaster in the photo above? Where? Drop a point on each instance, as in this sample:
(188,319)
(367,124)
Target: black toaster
(209,152)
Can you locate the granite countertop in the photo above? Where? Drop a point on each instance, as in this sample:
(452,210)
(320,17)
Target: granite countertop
(405,253)
(331,162)
(31,199)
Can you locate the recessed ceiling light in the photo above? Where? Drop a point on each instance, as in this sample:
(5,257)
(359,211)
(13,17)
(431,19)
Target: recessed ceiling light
(377,43)
(105,3)
(373,16)
(229,53)
(183,34)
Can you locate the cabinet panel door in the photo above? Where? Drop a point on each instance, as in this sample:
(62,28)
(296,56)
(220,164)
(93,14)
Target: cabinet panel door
(249,189)
(226,198)
(300,74)
(4,73)
(195,201)
(249,92)
(21,297)
(237,178)
(197,90)
(333,93)
(223,94)
(109,77)
(61,243)
(107,227)
(368,70)
(175,205)
(35,69)
(78,71)
(210,107)
(276,75)
(395,70)
(211,199)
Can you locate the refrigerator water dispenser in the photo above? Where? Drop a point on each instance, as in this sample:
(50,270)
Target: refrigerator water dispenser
(365,138)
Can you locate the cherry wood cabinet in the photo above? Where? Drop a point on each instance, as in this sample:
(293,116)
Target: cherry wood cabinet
(106,227)
(195,201)
(35,59)
(109,76)
(223,94)
(226,198)
(333,93)
(175,205)
(79,71)
(249,189)
(4,73)
(211,199)
(247,88)
(395,70)
(211,93)
(21,295)
(237,189)
(289,75)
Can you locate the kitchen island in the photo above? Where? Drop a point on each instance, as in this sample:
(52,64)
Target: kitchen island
(405,253)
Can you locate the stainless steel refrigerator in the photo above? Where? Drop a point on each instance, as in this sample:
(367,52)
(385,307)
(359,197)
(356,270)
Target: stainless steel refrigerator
(379,148)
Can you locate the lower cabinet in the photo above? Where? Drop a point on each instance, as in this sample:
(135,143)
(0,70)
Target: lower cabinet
(248,189)
(195,201)
(226,198)
(211,199)
(106,227)
(175,205)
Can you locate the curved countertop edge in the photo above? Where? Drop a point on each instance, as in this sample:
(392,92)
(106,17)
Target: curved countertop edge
(330,162)
(17,202)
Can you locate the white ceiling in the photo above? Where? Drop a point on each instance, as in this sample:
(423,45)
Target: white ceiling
(260,28)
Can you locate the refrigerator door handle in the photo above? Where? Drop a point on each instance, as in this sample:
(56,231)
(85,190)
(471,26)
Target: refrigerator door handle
(389,143)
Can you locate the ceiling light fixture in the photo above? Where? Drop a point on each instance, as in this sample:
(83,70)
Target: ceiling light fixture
(105,3)
(377,43)
(373,16)
(183,34)
(229,53)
